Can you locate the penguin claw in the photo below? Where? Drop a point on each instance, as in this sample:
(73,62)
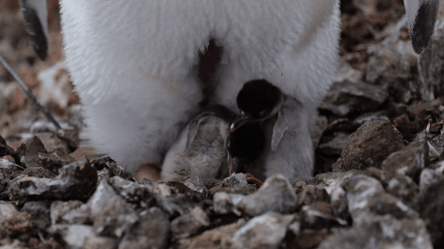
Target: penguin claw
(252,179)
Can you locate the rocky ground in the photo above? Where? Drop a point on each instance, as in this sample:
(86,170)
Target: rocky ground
(379,140)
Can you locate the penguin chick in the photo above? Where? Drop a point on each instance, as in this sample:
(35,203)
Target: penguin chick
(200,148)
(244,146)
(288,146)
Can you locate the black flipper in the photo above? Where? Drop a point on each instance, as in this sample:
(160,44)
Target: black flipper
(421,16)
(34,12)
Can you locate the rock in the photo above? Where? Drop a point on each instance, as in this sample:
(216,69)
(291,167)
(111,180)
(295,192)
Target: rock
(265,231)
(7,210)
(218,238)
(430,202)
(430,176)
(5,150)
(335,146)
(319,215)
(401,186)
(312,194)
(151,231)
(40,213)
(391,67)
(381,232)
(30,162)
(275,195)
(82,236)
(109,163)
(60,208)
(55,161)
(235,181)
(410,160)
(34,172)
(224,203)
(308,239)
(133,192)
(371,144)
(189,224)
(359,189)
(198,188)
(345,98)
(70,137)
(75,181)
(53,143)
(112,216)
(31,148)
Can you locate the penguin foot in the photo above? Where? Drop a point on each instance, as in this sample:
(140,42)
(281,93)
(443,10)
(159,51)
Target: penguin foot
(252,179)
(149,171)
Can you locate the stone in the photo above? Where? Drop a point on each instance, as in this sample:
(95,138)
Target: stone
(55,161)
(109,163)
(189,224)
(335,146)
(70,137)
(371,144)
(409,161)
(345,98)
(75,181)
(217,238)
(198,188)
(275,195)
(429,176)
(30,162)
(430,202)
(53,143)
(40,213)
(224,203)
(319,215)
(60,208)
(112,216)
(381,232)
(235,181)
(5,150)
(151,231)
(312,194)
(31,148)
(265,231)
(82,236)
(133,192)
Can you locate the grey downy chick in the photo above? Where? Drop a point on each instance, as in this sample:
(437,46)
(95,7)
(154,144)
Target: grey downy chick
(288,146)
(200,148)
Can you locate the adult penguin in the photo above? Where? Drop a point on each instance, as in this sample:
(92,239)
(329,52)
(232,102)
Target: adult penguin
(133,63)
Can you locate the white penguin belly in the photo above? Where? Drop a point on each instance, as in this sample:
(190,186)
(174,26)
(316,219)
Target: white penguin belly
(132,62)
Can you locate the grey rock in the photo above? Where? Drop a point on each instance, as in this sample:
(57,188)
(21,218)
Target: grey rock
(5,150)
(429,177)
(391,67)
(82,236)
(55,161)
(31,148)
(151,231)
(235,181)
(7,211)
(381,232)
(430,201)
(53,143)
(312,194)
(112,216)
(335,146)
(218,238)
(133,192)
(30,162)
(189,224)
(198,188)
(70,137)
(60,208)
(80,215)
(275,195)
(410,160)
(265,231)
(319,215)
(103,174)
(371,144)
(224,203)
(346,98)
(109,163)
(75,181)
(40,213)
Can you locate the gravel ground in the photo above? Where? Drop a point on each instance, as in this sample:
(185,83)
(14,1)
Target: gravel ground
(379,180)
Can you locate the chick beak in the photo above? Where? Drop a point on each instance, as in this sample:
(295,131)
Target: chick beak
(234,166)
(240,120)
